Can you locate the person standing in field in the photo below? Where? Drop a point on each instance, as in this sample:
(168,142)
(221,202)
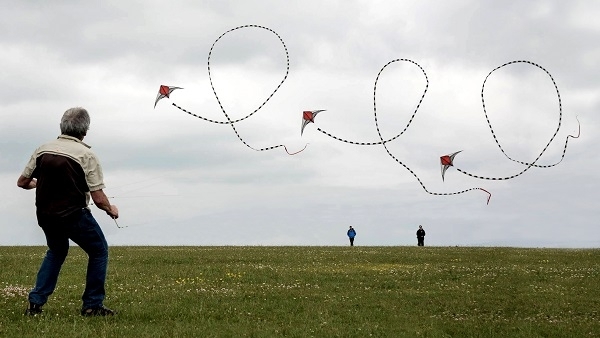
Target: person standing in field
(351,234)
(421,236)
(65,174)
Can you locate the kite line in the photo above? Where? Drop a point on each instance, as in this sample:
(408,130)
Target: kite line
(308,117)
(165,91)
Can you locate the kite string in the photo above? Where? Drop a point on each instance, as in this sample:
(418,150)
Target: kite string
(384,142)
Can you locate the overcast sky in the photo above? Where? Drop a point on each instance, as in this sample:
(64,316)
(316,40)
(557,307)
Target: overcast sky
(180,180)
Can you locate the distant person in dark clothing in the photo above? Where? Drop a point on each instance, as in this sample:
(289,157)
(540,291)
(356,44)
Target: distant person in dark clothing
(421,236)
(351,234)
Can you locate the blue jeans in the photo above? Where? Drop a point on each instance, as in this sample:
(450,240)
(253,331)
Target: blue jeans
(81,228)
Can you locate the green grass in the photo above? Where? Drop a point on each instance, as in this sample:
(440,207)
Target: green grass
(315,291)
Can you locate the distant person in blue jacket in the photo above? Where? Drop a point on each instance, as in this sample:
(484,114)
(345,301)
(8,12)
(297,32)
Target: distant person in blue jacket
(421,236)
(351,235)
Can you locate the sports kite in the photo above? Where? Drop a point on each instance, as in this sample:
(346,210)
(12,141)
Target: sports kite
(447,161)
(308,116)
(165,91)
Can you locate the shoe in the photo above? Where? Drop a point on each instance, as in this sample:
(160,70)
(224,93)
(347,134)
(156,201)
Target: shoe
(98,311)
(33,309)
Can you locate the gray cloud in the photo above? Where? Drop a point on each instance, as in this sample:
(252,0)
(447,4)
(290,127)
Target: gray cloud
(181,180)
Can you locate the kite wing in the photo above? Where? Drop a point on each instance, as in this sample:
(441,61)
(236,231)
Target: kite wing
(446,162)
(164,91)
(308,116)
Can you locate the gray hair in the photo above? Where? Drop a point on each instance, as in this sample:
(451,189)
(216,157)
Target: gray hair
(75,122)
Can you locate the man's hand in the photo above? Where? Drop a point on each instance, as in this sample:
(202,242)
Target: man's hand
(113,212)
(26,182)
(101,201)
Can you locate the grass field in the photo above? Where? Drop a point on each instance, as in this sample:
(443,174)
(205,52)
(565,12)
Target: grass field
(315,292)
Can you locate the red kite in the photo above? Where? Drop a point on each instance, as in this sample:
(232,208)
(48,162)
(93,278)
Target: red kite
(308,116)
(446,162)
(164,91)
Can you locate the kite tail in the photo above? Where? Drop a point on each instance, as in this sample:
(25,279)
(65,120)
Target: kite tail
(266,148)
(297,152)
(562,157)
(207,119)
(578,130)
(425,188)
(534,162)
(489,194)
(287,70)
(229,120)
(382,141)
